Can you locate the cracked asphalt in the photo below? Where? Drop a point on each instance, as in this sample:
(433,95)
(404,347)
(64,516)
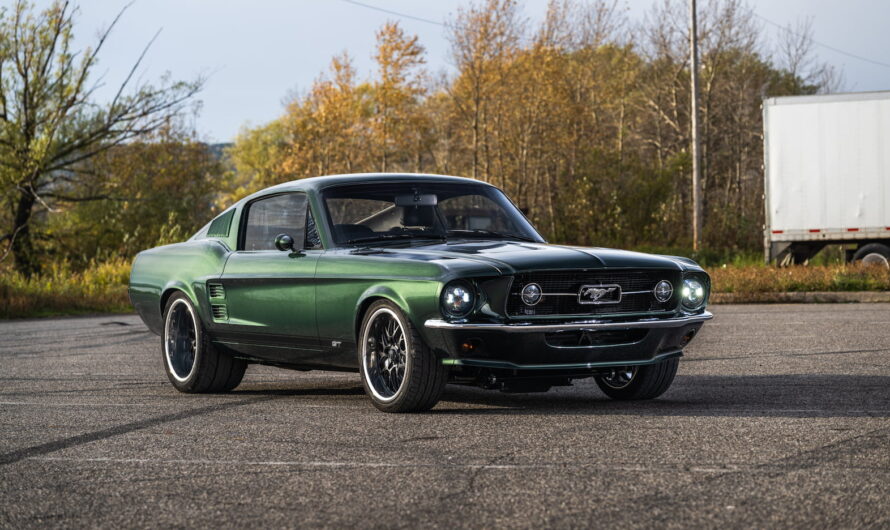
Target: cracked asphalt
(779,416)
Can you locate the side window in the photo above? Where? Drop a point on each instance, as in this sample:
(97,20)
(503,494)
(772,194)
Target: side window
(279,214)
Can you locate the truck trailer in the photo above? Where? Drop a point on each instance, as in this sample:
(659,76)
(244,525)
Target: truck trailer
(827,176)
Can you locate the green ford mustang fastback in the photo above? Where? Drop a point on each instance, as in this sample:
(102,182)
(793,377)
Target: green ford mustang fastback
(414,281)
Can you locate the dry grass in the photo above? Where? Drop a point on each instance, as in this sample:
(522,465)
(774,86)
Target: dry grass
(61,291)
(761,279)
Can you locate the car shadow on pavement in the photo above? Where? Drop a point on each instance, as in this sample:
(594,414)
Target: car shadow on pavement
(296,392)
(796,396)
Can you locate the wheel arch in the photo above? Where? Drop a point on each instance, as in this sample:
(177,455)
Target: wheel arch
(372,295)
(883,244)
(176,287)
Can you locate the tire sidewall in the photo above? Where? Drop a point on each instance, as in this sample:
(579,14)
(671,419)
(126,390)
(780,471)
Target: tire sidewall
(189,383)
(628,391)
(641,385)
(394,402)
(872,248)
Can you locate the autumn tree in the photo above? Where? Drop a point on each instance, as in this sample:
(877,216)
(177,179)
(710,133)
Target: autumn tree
(483,41)
(327,129)
(257,157)
(158,189)
(583,119)
(397,93)
(50,122)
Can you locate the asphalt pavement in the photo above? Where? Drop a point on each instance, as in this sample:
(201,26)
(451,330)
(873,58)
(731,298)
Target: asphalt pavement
(779,416)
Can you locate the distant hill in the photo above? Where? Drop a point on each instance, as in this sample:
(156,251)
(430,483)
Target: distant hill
(219,150)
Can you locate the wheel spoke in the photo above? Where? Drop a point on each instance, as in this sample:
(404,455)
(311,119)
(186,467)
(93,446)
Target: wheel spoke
(385,354)
(620,377)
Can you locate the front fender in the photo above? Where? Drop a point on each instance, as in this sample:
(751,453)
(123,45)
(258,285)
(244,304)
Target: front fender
(417,300)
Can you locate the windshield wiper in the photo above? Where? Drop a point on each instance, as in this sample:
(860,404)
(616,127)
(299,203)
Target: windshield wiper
(390,237)
(479,232)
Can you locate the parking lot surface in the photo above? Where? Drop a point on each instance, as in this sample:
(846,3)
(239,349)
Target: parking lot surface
(779,416)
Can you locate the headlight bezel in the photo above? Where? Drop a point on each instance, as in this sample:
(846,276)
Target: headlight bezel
(690,285)
(469,290)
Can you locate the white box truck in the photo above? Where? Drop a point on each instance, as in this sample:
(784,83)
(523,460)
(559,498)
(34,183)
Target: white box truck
(827,171)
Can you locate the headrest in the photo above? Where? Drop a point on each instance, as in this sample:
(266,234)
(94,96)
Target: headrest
(418,215)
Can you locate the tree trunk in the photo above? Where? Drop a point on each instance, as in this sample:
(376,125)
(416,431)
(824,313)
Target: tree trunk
(476,141)
(22,246)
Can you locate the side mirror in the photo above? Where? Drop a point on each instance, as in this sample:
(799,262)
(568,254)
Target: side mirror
(284,242)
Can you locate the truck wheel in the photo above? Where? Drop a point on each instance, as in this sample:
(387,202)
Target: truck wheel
(638,382)
(399,372)
(192,362)
(873,254)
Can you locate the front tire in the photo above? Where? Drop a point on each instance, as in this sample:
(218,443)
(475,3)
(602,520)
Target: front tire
(399,372)
(633,383)
(192,362)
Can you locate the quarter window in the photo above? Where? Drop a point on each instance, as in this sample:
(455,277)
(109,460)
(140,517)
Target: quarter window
(269,217)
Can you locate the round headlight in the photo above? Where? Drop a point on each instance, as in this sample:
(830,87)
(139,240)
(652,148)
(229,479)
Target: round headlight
(531,294)
(457,299)
(693,293)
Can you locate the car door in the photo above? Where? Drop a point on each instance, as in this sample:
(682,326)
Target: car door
(270,293)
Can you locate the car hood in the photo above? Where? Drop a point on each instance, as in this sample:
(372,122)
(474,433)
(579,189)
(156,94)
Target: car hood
(509,257)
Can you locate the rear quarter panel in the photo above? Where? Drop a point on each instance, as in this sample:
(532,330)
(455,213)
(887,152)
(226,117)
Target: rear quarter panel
(186,267)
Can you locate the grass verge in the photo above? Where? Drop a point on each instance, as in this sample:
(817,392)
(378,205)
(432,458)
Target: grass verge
(831,278)
(101,288)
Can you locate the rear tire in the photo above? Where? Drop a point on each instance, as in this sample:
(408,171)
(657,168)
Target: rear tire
(873,254)
(647,382)
(193,364)
(399,372)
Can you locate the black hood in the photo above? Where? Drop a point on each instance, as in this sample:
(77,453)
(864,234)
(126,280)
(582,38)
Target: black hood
(509,257)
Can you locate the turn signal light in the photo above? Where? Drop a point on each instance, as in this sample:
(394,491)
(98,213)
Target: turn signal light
(687,338)
(470,345)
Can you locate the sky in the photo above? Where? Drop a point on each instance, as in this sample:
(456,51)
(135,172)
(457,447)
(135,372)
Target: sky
(256,53)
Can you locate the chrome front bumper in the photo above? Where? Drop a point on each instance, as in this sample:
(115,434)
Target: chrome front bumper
(586,325)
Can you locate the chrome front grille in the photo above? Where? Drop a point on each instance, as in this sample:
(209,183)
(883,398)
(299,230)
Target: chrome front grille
(561,292)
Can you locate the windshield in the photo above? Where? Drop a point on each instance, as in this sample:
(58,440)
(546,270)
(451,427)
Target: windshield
(423,210)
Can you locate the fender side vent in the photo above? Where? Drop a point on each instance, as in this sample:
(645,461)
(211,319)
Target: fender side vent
(219,312)
(216,290)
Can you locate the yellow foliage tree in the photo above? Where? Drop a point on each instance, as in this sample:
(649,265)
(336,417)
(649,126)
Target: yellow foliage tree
(397,93)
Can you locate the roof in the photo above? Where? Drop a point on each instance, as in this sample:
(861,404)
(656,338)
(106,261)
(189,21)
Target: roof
(319,183)
(828,98)
(316,184)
